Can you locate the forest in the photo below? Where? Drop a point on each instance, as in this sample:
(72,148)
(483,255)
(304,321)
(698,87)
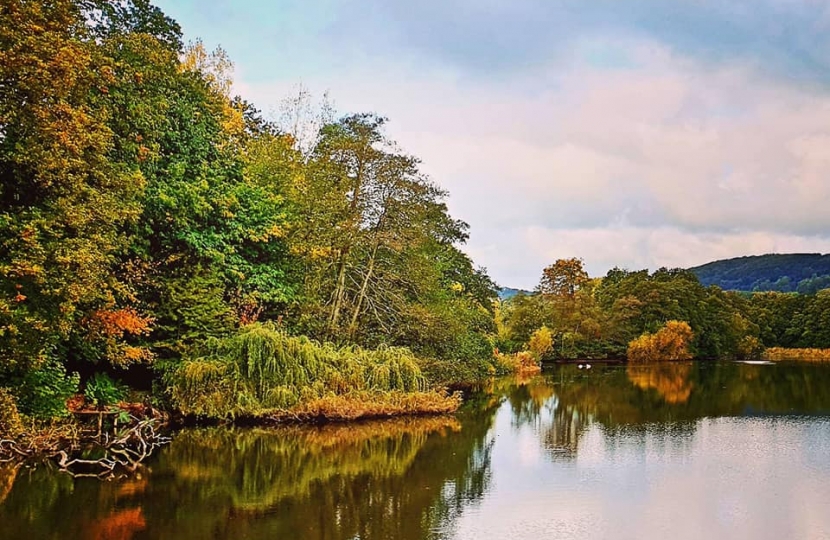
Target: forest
(152,222)
(806,273)
(160,234)
(603,317)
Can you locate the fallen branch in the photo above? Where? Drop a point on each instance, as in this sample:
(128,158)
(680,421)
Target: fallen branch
(126,451)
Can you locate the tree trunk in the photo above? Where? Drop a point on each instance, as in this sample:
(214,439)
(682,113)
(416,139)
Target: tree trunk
(362,296)
(339,293)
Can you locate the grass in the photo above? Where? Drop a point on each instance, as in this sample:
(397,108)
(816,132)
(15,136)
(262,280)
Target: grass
(357,406)
(779,354)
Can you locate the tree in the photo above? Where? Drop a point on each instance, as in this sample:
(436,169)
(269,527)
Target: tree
(67,192)
(563,278)
(540,343)
(671,342)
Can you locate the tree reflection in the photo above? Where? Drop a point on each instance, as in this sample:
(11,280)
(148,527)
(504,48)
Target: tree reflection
(669,379)
(406,479)
(8,473)
(674,395)
(403,479)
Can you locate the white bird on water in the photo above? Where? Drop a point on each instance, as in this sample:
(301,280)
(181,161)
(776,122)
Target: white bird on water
(580,366)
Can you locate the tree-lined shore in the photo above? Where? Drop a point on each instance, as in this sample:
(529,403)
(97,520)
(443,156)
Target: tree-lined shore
(151,220)
(166,246)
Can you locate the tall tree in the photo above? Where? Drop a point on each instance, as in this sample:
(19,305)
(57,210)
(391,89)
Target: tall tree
(66,193)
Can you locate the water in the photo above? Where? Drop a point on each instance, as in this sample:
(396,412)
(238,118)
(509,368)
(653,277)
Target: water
(680,451)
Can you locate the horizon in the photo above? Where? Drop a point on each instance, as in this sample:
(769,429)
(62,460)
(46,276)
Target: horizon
(639,135)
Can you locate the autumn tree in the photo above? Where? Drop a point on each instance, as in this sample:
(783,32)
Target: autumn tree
(671,342)
(563,278)
(68,193)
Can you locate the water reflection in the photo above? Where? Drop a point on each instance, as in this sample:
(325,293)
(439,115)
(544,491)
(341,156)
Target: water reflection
(572,453)
(378,480)
(670,380)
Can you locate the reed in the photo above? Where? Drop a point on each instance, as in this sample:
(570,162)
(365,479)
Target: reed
(782,354)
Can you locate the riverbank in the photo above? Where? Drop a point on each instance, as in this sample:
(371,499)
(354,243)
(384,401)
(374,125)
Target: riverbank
(263,376)
(782,354)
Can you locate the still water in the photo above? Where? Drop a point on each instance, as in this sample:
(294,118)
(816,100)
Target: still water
(680,451)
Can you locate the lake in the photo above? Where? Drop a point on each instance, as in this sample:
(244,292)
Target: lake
(679,450)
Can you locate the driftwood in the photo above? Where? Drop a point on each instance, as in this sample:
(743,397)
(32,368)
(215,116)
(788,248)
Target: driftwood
(123,452)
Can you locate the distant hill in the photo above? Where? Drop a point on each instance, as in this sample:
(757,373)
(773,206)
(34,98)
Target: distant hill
(797,272)
(506,293)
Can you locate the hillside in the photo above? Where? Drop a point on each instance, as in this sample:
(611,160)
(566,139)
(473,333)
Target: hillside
(506,293)
(796,272)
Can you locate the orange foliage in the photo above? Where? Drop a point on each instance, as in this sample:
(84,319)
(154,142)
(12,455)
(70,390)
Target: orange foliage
(779,354)
(116,323)
(75,403)
(671,380)
(113,325)
(120,525)
(521,363)
(669,343)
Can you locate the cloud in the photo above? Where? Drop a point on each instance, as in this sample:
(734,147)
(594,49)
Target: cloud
(786,37)
(633,134)
(671,163)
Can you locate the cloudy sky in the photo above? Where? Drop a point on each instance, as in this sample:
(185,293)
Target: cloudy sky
(630,133)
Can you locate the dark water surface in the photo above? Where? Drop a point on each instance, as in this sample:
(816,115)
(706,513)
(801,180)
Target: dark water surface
(679,451)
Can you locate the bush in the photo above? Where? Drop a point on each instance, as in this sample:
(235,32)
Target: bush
(521,363)
(43,392)
(102,392)
(750,348)
(11,425)
(669,343)
(262,369)
(449,372)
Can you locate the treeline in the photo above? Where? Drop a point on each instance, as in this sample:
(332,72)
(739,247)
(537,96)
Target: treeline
(600,318)
(146,211)
(805,273)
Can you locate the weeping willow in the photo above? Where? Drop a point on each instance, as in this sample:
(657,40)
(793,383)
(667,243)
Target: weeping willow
(263,370)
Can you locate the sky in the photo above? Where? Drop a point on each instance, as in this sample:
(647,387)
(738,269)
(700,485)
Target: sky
(629,133)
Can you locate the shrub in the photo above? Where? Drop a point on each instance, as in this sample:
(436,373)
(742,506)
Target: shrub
(519,363)
(43,392)
(669,343)
(102,392)
(262,369)
(749,347)
(11,425)
(777,354)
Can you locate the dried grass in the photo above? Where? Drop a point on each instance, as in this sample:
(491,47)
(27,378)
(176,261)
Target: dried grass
(782,354)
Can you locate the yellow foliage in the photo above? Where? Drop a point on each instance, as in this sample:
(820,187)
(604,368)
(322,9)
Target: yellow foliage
(669,343)
(11,425)
(359,405)
(781,354)
(670,380)
(522,363)
(540,343)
